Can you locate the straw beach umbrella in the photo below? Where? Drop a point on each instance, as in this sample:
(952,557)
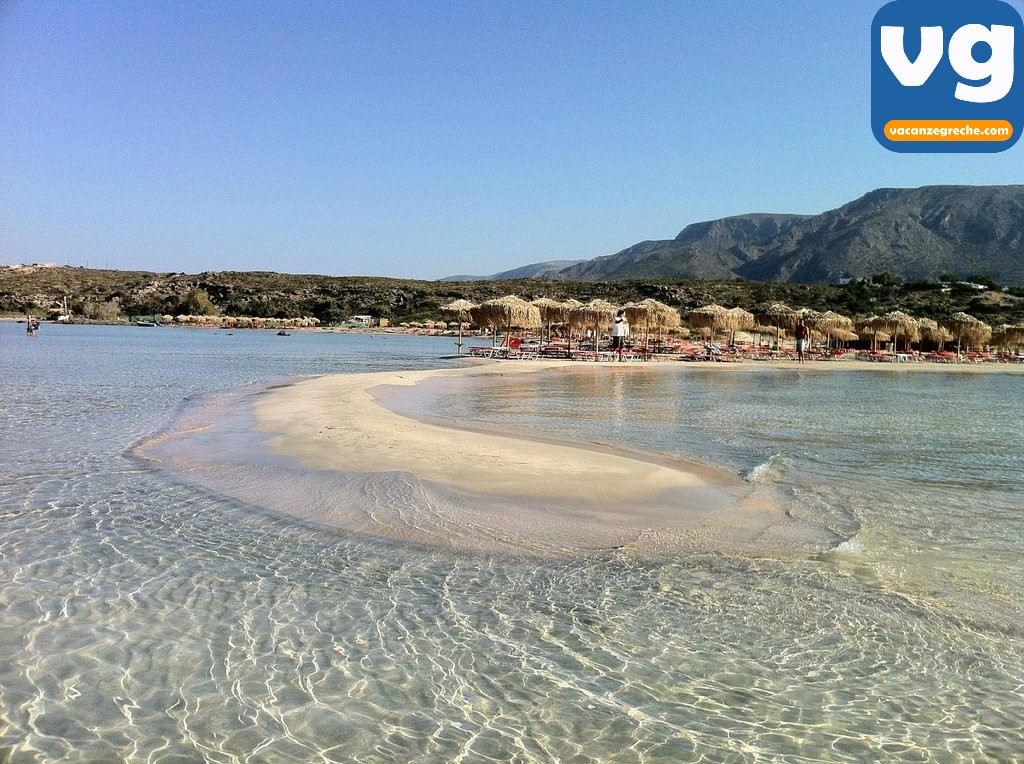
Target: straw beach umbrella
(762,330)
(873,333)
(930,331)
(551,312)
(833,325)
(598,314)
(481,316)
(666,318)
(739,320)
(510,311)
(978,336)
(648,314)
(962,326)
(869,328)
(779,315)
(807,315)
(569,318)
(709,317)
(1008,336)
(460,309)
(639,316)
(896,323)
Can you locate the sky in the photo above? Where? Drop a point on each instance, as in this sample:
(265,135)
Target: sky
(422,139)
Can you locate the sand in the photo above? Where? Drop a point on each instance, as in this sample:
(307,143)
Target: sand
(466,485)
(482,489)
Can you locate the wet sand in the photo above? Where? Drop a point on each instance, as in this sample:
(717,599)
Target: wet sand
(502,491)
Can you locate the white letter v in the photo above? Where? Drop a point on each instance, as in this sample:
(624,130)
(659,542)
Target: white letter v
(912,74)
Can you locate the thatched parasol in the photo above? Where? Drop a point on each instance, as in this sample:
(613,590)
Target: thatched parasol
(650,314)
(598,314)
(779,315)
(509,311)
(896,323)
(639,315)
(1008,336)
(833,325)
(930,331)
(640,318)
(807,315)
(570,306)
(739,320)
(763,330)
(978,336)
(551,312)
(710,317)
(963,327)
(460,309)
(869,328)
(481,316)
(667,320)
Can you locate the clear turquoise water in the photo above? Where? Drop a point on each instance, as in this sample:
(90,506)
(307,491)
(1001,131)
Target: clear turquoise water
(144,619)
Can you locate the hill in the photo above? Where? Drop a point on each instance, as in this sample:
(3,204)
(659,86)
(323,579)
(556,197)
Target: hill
(108,295)
(913,234)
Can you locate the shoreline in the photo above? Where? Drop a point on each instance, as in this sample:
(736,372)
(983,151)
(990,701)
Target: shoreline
(517,492)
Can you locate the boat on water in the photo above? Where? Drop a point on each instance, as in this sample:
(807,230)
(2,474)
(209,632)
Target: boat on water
(146,323)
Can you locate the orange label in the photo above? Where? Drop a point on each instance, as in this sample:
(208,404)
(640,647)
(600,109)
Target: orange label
(948,130)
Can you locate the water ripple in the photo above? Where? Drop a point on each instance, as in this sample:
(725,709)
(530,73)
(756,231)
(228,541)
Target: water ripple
(146,620)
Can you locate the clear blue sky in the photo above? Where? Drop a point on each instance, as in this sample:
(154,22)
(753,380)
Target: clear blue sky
(423,139)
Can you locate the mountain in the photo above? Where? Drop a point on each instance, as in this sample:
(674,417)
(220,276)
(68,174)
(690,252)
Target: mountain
(911,233)
(710,250)
(532,271)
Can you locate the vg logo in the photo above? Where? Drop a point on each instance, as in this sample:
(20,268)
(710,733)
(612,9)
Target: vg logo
(947,75)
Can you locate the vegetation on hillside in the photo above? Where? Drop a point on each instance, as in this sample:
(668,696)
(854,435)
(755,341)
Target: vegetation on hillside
(108,295)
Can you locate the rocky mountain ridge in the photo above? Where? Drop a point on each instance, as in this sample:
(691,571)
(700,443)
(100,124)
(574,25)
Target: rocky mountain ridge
(917,233)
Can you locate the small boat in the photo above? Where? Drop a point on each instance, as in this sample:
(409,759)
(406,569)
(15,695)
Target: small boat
(283,333)
(146,323)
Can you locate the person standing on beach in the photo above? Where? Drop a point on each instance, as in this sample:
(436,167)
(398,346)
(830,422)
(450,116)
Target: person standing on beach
(620,331)
(801,335)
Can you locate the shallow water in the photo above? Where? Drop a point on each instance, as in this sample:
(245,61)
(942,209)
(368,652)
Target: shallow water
(144,619)
(924,473)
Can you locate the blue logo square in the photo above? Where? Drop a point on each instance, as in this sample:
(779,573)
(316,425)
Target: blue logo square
(945,76)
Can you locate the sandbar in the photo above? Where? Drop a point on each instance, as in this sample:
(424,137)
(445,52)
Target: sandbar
(491,490)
